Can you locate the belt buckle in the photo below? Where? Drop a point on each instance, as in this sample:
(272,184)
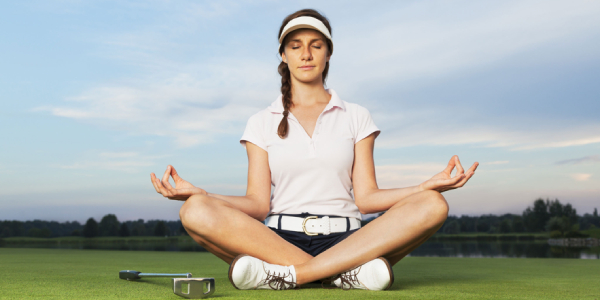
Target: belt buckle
(304,225)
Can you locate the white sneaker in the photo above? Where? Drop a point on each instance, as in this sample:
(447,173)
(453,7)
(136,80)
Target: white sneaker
(375,275)
(250,273)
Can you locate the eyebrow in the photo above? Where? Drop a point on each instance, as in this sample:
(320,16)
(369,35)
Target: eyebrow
(311,41)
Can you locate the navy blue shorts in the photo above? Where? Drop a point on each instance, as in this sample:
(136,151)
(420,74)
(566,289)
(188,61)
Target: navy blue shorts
(313,244)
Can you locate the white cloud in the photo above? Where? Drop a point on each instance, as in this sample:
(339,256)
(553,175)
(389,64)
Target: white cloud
(192,109)
(581,176)
(128,162)
(194,100)
(582,160)
(435,129)
(499,162)
(411,41)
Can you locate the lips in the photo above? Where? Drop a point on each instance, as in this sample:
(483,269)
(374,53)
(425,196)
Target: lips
(307,67)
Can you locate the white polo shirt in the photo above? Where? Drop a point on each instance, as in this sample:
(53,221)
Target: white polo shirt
(312,175)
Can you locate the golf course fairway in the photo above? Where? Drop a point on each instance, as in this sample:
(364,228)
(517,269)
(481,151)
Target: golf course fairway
(93,274)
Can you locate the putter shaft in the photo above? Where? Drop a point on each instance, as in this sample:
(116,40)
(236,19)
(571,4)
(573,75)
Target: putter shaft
(186,275)
(135,275)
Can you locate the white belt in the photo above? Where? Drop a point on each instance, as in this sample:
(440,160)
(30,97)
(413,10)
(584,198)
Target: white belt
(313,225)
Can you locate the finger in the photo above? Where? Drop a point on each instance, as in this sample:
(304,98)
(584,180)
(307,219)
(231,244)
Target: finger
(161,187)
(463,181)
(469,174)
(175,175)
(451,181)
(152,177)
(459,168)
(165,179)
(473,168)
(450,166)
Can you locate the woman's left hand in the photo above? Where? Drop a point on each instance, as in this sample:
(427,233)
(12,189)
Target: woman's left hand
(444,181)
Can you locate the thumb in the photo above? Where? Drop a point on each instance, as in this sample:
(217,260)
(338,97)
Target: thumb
(454,180)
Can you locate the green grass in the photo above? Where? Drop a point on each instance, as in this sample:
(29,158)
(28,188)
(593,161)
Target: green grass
(93,274)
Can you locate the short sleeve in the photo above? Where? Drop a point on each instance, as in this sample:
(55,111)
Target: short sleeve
(365,125)
(254,132)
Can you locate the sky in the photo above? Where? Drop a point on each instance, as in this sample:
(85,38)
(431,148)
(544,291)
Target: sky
(96,95)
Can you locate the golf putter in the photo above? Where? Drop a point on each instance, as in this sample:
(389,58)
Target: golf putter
(195,286)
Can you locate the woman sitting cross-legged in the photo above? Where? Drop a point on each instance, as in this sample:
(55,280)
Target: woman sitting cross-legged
(317,152)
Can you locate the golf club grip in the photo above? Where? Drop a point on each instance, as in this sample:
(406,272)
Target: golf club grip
(188,275)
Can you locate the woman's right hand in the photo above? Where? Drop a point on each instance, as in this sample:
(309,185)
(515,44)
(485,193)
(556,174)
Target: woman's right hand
(183,189)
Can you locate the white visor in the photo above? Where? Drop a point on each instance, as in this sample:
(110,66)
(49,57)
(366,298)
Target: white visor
(305,22)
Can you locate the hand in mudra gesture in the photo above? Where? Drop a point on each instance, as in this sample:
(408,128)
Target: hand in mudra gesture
(444,181)
(183,189)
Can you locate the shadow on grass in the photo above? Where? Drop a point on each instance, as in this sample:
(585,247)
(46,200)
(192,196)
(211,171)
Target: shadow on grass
(168,285)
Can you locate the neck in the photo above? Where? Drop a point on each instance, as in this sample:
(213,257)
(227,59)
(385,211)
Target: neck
(309,94)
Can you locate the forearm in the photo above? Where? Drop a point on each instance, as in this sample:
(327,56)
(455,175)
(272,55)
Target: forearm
(378,200)
(248,204)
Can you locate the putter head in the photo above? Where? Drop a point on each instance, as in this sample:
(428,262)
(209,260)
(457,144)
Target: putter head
(129,275)
(195,287)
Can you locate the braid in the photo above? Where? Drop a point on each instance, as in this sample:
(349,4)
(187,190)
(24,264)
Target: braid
(286,92)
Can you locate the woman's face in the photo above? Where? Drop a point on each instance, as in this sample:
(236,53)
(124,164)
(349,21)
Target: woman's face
(306,54)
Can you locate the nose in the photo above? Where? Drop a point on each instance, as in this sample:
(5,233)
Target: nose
(306,54)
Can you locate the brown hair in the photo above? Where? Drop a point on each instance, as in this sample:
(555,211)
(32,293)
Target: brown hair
(284,71)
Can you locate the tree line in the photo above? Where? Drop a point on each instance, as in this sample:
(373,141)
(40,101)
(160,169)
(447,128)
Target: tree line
(543,216)
(109,225)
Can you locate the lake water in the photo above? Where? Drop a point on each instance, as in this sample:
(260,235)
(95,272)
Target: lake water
(534,249)
(530,249)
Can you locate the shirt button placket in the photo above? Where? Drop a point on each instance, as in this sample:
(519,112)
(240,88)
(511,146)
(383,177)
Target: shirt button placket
(313,147)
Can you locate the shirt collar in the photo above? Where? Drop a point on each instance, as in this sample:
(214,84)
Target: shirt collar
(335,101)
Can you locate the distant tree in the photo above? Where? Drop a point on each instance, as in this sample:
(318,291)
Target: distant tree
(109,225)
(556,224)
(453,227)
(160,229)
(482,226)
(90,229)
(39,233)
(518,225)
(5,232)
(76,232)
(505,226)
(182,230)
(536,218)
(555,208)
(570,215)
(595,213)
(124,230)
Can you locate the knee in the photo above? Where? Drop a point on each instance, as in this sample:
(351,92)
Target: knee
(434,207)
(195,213)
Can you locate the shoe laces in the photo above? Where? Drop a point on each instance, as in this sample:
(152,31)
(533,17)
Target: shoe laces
(277,281)
(349,278)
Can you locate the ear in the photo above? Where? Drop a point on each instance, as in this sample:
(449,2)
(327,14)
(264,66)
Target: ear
(283,57)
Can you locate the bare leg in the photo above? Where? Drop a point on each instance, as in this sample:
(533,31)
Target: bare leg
(227,232)
(393,235)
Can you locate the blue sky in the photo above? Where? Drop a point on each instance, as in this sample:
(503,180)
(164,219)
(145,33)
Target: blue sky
(98,94)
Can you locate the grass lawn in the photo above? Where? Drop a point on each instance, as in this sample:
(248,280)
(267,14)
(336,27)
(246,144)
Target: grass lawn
(93,274)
